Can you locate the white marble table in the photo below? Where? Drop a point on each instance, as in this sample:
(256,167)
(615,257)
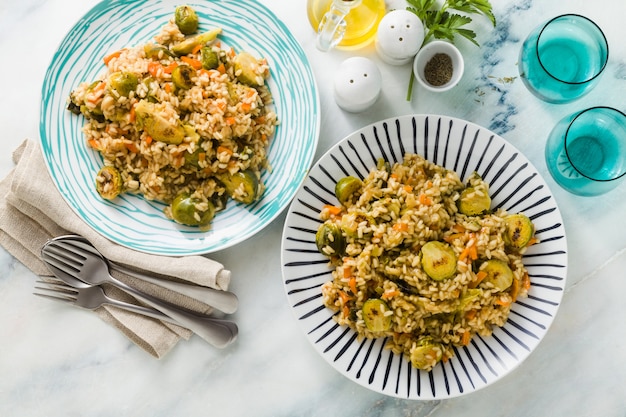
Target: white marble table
(57,361)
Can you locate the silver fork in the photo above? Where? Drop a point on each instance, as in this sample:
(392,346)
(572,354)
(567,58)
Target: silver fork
(224,301)
(91,298)
(79,267)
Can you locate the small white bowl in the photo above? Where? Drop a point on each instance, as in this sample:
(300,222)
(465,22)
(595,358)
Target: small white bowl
(427,52)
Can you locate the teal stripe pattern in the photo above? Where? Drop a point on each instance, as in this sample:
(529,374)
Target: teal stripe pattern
(130,220)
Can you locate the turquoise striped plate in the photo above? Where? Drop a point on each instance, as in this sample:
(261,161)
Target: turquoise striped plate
(133,221)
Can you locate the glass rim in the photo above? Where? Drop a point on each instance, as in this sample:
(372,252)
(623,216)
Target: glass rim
(604,64)
(612,109)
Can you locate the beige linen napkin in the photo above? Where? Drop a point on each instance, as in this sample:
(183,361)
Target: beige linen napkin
(33,211)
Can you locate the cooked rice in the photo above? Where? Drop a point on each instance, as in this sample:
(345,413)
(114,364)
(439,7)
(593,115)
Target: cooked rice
(384,262)
(234,122)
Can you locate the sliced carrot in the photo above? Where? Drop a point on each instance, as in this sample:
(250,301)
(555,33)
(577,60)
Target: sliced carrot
(131,147)
(154,68)
(170,68)
(400,227)
(148,139)
(202,156)
(168,87)
(458,228)
(196,49)
(470,314)
(465,339)
(344,297)
(224,149)
(515,287)
(347,271)
(230,121)
(245,107)
(464,254)
(394,176)
(346,312)
(221,69)
(473,252)
(526,281)
(94,144)
(109,57)
(132,115)
(100,86)
(192,62)
(425,200)
(352,285)
(532,241)
(95,95)
(480,275)
(334,210)
(390,294)
(502,302)
(408,188)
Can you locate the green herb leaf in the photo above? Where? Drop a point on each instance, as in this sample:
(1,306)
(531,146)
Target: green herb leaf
(453,26)
(441,24)
(474,6)
(420,7)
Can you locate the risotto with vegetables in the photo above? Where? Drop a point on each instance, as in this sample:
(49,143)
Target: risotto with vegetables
(183,120)
(421,258)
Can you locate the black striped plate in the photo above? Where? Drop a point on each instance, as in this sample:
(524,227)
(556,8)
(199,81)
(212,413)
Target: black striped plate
(515,185)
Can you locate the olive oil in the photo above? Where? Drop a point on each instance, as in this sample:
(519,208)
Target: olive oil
(361,21)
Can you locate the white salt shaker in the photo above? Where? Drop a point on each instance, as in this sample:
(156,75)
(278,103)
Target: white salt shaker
(357,85)
(399,36)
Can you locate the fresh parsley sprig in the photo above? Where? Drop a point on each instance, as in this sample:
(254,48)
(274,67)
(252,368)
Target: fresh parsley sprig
(440,23)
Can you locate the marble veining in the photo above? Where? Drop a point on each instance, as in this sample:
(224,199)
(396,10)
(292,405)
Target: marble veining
(59,361)
(501,39)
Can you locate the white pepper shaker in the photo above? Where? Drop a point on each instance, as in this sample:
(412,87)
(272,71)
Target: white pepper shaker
(357,85)
(399,36)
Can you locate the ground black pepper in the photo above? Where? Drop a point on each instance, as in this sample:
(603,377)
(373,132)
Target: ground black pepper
(438,70)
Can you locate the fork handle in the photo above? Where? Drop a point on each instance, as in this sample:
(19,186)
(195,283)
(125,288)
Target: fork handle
(217,332)
(224,301)
(145,311)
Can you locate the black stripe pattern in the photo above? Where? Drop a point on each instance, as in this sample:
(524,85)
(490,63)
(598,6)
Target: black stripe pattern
(515,186)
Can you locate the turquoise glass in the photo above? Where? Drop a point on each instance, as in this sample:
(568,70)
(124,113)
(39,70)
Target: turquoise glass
(586,151)
(561,60)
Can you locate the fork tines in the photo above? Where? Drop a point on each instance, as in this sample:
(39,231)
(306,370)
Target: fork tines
(56,291)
